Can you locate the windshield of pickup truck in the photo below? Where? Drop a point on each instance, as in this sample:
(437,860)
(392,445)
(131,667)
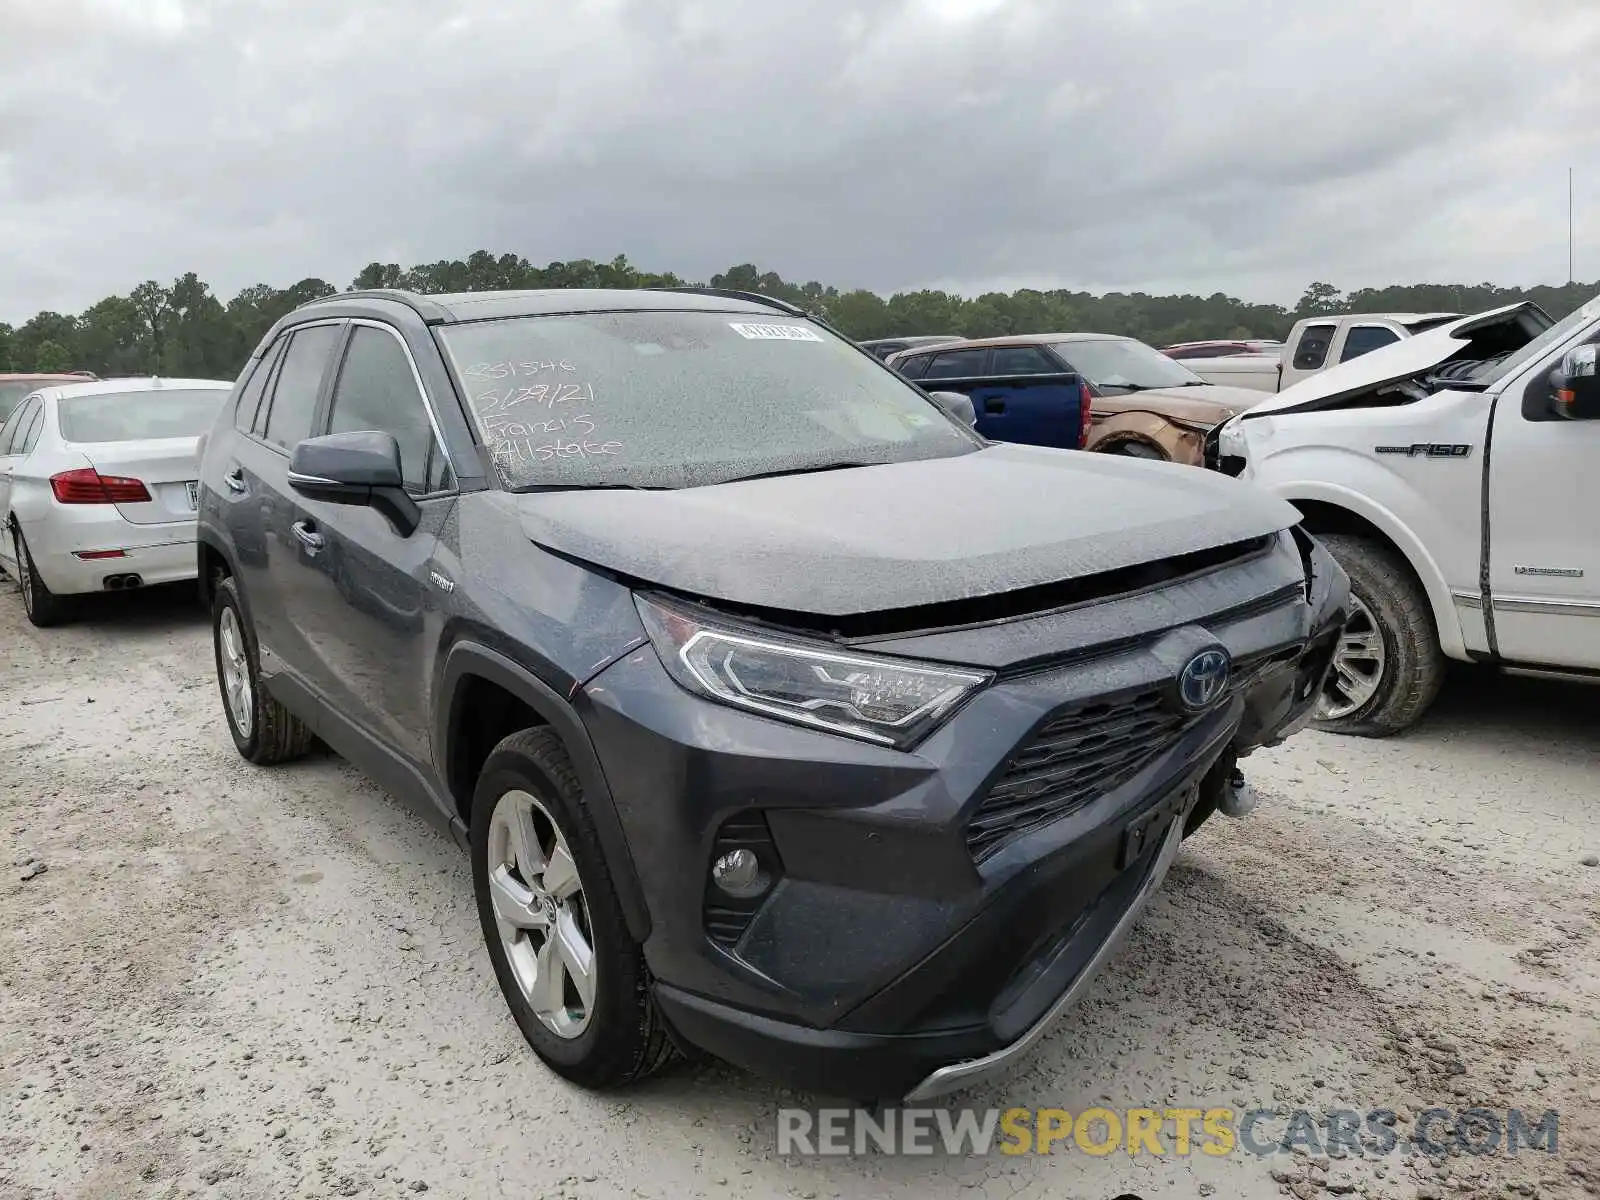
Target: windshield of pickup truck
(1503,368)
(683,399)
(1121,363)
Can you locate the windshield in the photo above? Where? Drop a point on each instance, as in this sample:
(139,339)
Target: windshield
(1503,368)
(1121,363)
(14,391)
(131,416)
(683,399)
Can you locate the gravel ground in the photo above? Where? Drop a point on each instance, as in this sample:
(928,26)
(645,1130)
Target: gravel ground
(232,982)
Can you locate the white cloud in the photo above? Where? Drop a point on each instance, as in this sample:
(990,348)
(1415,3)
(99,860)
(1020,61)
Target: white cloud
(1235,145)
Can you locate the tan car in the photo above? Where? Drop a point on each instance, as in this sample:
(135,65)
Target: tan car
(1142,403)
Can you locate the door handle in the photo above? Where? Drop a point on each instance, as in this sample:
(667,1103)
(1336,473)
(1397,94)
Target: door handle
(993,406)
(309,537)
(235,480)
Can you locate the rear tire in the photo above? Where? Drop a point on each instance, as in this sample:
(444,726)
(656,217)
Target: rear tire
(264,731)
(1389,667)
(606,1031)
(44,607)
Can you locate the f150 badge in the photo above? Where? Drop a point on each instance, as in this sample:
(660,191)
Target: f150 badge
(1428,450)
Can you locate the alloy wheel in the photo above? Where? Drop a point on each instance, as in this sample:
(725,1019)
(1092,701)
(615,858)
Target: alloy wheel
(541,913)
(237,689)
(1358,665)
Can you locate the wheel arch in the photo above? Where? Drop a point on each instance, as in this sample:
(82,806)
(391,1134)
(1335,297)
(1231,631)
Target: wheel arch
(1330,509)
(1173,442)
(474,674)
(212,562)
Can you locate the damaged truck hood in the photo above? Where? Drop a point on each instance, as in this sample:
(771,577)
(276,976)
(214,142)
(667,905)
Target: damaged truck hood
(1501,330)
(874,539)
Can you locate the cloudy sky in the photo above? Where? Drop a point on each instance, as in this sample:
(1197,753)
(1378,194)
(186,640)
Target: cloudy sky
(1247,146)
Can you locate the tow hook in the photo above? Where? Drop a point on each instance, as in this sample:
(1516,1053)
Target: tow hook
(1238,796)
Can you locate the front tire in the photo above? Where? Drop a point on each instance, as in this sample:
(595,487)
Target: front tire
(264,731)
(1388,667)
(572,975)
(44,607)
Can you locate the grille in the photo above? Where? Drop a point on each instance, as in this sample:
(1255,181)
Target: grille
(1074,757)
(1086,751)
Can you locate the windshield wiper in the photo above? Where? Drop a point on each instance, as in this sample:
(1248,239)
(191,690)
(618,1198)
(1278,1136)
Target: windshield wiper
(842,465)
(535,488)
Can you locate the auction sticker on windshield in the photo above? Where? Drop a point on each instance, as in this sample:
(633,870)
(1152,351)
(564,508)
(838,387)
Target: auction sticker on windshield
(773,333)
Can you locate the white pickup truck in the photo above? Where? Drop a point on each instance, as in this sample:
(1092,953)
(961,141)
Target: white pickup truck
(1453,474)
(1314,345)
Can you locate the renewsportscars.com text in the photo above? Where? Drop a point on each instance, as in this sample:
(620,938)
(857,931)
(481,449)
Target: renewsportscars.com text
(1262,1132)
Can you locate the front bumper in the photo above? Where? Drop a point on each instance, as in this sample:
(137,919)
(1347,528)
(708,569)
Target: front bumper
(913,942)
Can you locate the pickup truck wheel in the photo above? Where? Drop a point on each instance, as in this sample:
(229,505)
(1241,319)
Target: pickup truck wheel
(264,731)
(572,975)
(1388,667)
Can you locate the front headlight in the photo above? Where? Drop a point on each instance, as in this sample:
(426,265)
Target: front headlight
(883,700)
(1230,439)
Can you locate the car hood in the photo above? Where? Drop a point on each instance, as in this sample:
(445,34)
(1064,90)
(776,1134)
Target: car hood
(1209,405)
(1405,359)
(874,539)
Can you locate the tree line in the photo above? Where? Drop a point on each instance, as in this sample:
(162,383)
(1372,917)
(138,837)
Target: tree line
(184,330)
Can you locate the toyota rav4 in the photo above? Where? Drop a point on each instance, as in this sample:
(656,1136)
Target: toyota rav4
(782,716)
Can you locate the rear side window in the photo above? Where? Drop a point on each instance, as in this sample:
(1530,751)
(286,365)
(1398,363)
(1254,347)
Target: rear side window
(12,393)
(1312,350)
(913,367)
(1364,339)
(8,426)
(956,364)
(17,428)
(294,395)
(1021,360)
(30,430)
(134,416)
(377,390)
(246,415)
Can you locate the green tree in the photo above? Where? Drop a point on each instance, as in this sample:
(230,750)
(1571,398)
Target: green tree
(1320,300)
(186,329)
(52,357)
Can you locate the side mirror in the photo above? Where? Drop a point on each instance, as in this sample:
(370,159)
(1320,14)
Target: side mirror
(957,404)
(1578,385)
(360,469)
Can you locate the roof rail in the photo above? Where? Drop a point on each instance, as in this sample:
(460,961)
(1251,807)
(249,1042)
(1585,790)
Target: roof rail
(736,294)
(422,305)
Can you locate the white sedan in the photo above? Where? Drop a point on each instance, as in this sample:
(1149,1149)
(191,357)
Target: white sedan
(97,487)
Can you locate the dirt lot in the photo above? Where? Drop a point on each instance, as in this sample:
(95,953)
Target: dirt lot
(245,983)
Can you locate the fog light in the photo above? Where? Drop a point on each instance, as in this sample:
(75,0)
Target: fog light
(739,874)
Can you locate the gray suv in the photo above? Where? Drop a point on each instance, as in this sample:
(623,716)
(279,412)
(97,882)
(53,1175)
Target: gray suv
(782,716)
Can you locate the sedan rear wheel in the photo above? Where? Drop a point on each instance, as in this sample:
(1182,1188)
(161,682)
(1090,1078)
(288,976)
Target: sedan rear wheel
(44,607)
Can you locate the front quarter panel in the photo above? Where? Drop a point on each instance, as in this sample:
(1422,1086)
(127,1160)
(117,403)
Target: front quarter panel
(1362,460)
(560,620)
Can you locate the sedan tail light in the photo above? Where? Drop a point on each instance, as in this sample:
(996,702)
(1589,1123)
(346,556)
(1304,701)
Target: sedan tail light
(85,485)
(1085,411)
